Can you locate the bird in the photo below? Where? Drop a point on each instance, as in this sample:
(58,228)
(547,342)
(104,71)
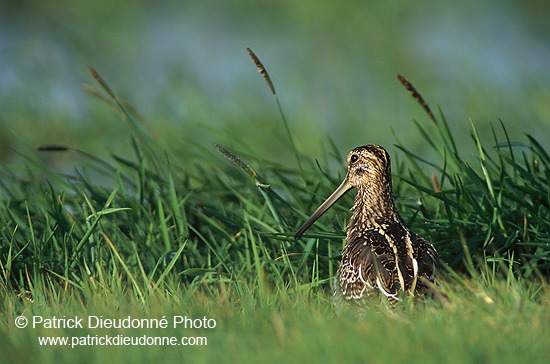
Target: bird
(381,256)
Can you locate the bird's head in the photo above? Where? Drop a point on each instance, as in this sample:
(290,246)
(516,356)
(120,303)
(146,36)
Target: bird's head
(369,168)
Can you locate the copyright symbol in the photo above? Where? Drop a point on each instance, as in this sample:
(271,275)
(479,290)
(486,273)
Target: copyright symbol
(21,322)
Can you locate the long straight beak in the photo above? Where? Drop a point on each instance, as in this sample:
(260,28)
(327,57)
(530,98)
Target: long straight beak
(339,192)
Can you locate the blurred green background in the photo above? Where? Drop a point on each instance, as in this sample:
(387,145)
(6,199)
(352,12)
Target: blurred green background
(184,66)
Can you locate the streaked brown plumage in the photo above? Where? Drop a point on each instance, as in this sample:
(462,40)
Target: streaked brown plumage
(381,254)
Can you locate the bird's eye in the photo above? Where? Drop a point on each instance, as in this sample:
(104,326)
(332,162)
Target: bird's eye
(353,158)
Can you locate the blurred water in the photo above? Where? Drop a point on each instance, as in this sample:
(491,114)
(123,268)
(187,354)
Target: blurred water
(333,66)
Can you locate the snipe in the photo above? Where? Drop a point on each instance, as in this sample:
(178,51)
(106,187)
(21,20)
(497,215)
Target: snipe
(381,254)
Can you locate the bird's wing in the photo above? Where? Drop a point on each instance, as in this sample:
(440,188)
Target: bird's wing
(427,257)
(368,262)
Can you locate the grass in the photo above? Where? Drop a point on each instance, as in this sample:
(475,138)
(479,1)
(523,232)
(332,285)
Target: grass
(155,235)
